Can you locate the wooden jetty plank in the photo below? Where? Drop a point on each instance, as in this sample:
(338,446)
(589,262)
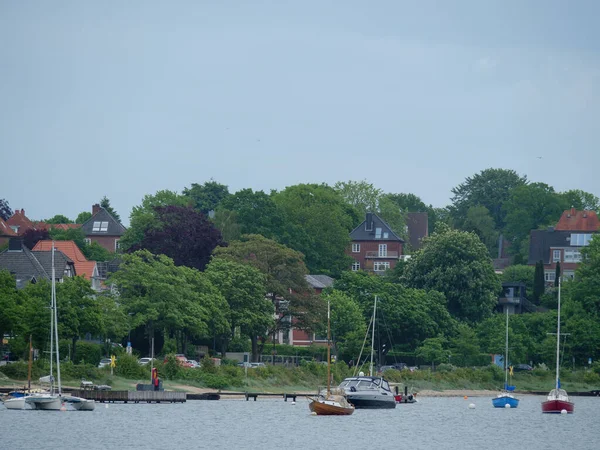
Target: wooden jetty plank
(133,396)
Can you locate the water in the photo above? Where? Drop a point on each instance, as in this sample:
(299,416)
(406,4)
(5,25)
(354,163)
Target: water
(433,423)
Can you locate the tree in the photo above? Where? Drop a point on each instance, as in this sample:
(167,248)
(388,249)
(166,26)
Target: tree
(490,188)
(10,305)
(143,217)
(78,311)
(523,274)
(317,223)
(480,222)
(83,217)
(586,289)
(458,265)
(285,281)
(464,347)
(243,287)
(529,207)
(227,223)
(58,219)
(161,296)
(348,327)
(581,200)
(361,195)
(206,197)
(5,211)
(105,203)
(393,216)
(32,236)
(255,213)
(539,285)
(413,203)
(183,234)
(432,350)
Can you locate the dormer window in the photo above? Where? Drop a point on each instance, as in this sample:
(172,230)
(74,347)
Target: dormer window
(100,227)
(580,239)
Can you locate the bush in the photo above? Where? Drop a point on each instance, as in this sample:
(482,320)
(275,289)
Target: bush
(591,377)
(172,370)
(444,367)
(88,353)
(70,371)
(17,370)
(128,367)
(208,365)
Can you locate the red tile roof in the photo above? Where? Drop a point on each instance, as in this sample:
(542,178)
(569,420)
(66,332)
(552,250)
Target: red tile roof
(58,226)
(5,230)
(573,220)
(83,267)
(20,220)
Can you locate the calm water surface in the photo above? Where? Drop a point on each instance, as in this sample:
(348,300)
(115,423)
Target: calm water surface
(433,423)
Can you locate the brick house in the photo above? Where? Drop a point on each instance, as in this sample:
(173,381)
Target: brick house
(375,247)
(103,229)
(6,232)
(19,222)
(563,243)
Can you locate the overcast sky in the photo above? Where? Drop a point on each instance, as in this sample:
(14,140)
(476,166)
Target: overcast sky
(124,98)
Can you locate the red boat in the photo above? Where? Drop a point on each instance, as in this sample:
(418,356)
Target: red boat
(558,401)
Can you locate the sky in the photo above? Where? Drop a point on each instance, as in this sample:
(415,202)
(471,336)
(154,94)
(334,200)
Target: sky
(127,98)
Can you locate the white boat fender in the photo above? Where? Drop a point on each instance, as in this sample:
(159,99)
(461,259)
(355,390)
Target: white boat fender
(293,403)
(471,405)
(507,406)
(563,411)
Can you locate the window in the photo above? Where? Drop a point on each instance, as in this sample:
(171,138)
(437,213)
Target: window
(550,276)
(572,255)
(382,250)
(88,241)
(117,245)
(377,233)
(355,266)
(580,239)
(385,235)
(100,227)
(381,266)
(15,228)
(355,248)
(555,255)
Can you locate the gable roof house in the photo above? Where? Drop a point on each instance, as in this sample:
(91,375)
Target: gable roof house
(83,267)
(19,222)
(563,243)
(375,247)
(6,232)
(103,229)
(31,266)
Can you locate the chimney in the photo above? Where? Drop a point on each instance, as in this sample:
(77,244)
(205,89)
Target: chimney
(15,245)
(369,222)
(95,208)
(22,211)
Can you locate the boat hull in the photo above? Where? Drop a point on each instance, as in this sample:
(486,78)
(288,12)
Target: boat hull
(501,402)
(15,403)
(326,409)
(371,402)
(45,402)
(557,406)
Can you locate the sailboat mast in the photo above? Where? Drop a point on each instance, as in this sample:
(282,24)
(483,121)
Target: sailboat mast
(52,323)
(373,337)
(506,355)
(54,308)
(29,365)
(558,338)
(328,349)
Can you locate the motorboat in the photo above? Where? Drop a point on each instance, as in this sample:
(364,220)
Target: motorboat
(368,392)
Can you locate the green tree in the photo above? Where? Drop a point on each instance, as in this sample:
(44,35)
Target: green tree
(58,219)
(206,197)
(78,311)
(581,200)
(464,346)
(348,327)
(143,217)
(227,223)
(95,252)
(490,188)
(480,222)
(413,203)
(105,203)
(317,223)
(529,207)
(432,350)
(10,305)
(539,285)
(361,195)
(457,264)
(586,289)
(523,274)
(83,217)
(393,216)
(243,287)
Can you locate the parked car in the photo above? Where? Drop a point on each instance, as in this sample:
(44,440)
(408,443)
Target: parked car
(182,360)
(104,362)
(522,368)
(144,361)
(195,364)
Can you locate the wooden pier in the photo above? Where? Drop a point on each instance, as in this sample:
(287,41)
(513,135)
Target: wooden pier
(132,396)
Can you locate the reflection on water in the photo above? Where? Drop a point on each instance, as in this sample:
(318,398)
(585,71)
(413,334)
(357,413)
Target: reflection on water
(433,423)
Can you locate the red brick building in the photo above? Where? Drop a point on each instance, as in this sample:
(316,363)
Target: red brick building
(103,229)
(19,222)
(375,247)
(6,232)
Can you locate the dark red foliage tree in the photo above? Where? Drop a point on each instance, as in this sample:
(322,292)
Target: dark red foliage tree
(31,237)
(183,234)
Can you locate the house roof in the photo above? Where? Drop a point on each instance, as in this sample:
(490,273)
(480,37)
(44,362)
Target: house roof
(319,281)
(83,267)
(6,230)
(541,241)
(418,225)
(27,265)
(573,220)
(20,220)
(361,233)
(94,226)
(57,226)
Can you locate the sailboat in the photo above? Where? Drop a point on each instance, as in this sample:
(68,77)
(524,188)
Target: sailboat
(330,404)
(505,398)
(558,399)
(369,391)
(16,400)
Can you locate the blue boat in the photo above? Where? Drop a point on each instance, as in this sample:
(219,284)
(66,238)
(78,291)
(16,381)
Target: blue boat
(506,397)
